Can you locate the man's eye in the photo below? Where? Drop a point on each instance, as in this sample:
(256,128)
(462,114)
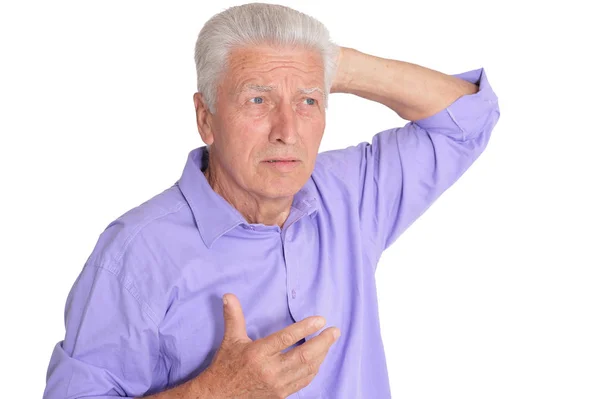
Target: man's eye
(257,100)
(310,101)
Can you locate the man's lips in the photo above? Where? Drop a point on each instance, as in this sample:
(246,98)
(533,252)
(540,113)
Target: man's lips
(282,165)
(281,160)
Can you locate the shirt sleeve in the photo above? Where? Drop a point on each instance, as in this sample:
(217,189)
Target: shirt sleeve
(111,344)
(404,170)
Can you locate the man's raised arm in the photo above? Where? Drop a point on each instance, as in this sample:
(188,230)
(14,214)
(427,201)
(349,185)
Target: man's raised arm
(412,91)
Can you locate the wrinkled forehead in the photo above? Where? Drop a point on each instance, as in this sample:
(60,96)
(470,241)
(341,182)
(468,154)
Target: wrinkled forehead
(259,67)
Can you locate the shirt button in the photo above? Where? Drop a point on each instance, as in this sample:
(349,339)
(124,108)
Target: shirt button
(294,294)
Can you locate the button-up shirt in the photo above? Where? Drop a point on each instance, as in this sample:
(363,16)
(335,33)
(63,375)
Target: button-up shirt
(145,313)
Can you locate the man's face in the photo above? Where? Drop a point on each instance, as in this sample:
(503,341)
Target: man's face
(270,107)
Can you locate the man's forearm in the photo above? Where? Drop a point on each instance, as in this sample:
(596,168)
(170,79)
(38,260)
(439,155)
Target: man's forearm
(413,91)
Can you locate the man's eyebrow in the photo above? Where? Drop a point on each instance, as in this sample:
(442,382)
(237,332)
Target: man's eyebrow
(311,89)
(260,88)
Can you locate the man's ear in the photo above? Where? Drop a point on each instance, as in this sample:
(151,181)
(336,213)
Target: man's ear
(203,119)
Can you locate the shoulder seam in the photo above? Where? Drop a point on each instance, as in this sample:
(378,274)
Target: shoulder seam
(129,285)
(140,226)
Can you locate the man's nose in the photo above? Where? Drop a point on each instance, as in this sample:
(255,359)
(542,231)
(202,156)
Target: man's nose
(284,127)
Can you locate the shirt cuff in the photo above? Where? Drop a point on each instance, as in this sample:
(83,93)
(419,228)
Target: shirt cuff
(466,117)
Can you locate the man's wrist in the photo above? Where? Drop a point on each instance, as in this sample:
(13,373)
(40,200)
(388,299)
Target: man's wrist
(205,384)
(341,76)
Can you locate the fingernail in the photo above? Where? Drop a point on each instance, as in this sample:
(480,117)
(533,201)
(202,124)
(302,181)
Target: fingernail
(336,333)
(224,301)
(319,322)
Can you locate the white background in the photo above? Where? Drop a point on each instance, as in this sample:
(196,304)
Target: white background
(493,293)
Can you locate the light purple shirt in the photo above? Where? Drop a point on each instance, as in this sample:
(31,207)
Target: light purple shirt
(145,314)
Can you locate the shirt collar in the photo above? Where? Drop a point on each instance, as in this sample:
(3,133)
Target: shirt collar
(213,215)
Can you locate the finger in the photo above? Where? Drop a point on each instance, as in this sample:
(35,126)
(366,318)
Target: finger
(311,353)
(278,341)
(235,323)
(303,361)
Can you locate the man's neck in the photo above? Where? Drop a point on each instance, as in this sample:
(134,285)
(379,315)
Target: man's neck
(254,210)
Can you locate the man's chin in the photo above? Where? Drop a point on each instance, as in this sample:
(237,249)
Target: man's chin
(282,188)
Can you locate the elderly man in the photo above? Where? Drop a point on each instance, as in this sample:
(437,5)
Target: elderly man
(253,276)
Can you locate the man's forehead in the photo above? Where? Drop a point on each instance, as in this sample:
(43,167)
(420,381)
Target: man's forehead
(262,67)
(290,54)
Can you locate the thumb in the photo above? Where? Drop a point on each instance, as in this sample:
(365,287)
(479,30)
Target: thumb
(235,323)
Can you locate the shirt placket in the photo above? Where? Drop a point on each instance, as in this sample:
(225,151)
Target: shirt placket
(294,289)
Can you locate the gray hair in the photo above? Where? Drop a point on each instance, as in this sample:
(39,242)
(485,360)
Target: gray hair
(255,24)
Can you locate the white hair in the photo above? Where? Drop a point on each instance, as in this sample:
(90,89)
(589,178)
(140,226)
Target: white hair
(256,24)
